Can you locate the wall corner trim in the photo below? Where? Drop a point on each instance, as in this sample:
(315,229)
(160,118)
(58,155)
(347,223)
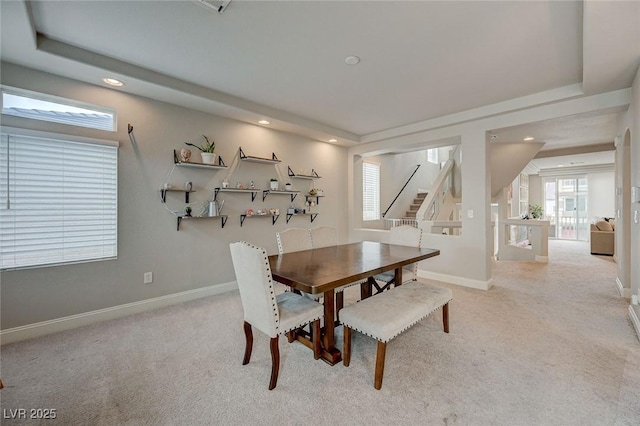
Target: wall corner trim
(634,320)
(624,291)
(453,279)
(43,328)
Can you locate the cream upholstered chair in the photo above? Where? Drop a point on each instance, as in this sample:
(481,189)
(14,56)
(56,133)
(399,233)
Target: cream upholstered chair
(403,235)
(293,239)
(271,314)
(323,236)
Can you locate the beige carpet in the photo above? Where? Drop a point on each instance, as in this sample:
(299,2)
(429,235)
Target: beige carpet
(547,345)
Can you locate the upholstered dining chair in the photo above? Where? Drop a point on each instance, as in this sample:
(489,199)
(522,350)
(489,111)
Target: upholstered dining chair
(403,235)
(327,236)
(293,239)
(273,315)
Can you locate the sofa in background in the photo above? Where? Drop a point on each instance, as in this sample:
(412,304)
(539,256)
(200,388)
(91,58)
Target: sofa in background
(603,236)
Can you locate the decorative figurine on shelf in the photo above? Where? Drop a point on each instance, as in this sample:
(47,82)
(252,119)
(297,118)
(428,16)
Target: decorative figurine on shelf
(252,185)
(185,155)
(188,186)
(313,191)
(187,211)
(288,186)
(273,184)
(225,183)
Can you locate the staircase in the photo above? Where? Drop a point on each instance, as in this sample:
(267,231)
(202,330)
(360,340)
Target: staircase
(415,206)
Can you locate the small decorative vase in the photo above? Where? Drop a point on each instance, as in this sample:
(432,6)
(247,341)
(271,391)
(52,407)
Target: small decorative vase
(185,154)
(208,157)
(273,185)
(288,187)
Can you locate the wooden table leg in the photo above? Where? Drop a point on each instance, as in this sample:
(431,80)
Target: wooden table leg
(329,351)
(398,277)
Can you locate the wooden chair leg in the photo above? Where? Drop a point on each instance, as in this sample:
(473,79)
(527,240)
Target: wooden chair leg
(249,336)
(346,347)
(339,305)
(275,362)
(382,348)
(315,335)
(445,317)
(291,336)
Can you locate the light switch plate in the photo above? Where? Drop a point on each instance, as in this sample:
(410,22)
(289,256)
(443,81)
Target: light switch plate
(635,194)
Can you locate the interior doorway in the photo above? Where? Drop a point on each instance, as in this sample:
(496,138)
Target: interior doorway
(565,201)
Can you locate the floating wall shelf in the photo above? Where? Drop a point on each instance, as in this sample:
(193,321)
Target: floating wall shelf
(252,191)
(274,217)
(312,215)
(313,175)
(223,219)
(179,163)
(269,191)
(272,160)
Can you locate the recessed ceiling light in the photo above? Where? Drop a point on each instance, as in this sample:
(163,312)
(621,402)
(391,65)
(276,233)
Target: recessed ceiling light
(113,82)
(529,138)
(560,165)
(351,60)
(265,122)
(333,140)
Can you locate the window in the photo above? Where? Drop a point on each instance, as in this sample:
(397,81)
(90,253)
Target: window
(58,199)
(432,155)
(38,106)
(370,191)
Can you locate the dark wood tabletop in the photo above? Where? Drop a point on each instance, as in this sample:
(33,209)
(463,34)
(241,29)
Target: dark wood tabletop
(322,270)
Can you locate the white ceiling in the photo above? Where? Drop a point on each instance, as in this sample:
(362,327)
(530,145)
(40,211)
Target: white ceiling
(284,60)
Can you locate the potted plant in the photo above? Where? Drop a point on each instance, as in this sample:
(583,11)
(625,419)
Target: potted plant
(206,150)
(536,211)
(273,184)
(187,211)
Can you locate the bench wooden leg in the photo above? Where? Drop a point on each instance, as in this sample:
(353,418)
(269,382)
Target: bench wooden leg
(445,317)
(247,350)
(346,348)
(275,362)
(382,349)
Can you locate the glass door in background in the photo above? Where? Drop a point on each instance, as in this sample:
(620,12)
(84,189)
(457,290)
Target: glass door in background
(566,208)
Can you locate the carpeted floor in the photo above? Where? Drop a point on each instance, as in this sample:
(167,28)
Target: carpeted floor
(549,344)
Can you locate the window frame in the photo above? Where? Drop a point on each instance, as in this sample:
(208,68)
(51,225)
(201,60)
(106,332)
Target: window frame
(375,203)
(38,96)
(62,138)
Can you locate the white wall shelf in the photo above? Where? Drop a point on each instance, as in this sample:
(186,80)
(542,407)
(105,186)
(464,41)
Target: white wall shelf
(274,217)
(313,175)
(180,163)
(272,160)
(293,194)
(311,215)
(223,219)
(252,191)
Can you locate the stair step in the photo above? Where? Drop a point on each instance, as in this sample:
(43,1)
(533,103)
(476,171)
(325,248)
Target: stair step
(410,215)
(418,200)
(422,195)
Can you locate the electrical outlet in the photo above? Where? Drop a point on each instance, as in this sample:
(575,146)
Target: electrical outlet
(148,277)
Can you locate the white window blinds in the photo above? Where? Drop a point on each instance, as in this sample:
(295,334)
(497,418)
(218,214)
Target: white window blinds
(370,191)
(58,199)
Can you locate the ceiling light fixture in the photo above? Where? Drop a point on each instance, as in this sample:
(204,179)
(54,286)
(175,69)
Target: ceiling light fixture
(265,122)
(113,82)
(217,5)
(351,60)
(529,138)
(333,140)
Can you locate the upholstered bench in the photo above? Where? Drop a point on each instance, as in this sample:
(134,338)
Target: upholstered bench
(388,314)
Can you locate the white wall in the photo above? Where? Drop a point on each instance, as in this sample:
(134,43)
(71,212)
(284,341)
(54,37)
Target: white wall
(198,255)
(602,194)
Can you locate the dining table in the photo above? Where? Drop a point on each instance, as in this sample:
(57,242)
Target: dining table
(322,270)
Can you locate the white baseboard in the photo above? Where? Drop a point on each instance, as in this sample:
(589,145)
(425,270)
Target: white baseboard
(542,259)
(453,279)
(624,292)
(634,320)
(29,331)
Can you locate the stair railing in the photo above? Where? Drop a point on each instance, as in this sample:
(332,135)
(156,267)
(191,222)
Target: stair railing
(401,189)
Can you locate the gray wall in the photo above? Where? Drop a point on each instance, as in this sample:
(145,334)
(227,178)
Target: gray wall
(198,255)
